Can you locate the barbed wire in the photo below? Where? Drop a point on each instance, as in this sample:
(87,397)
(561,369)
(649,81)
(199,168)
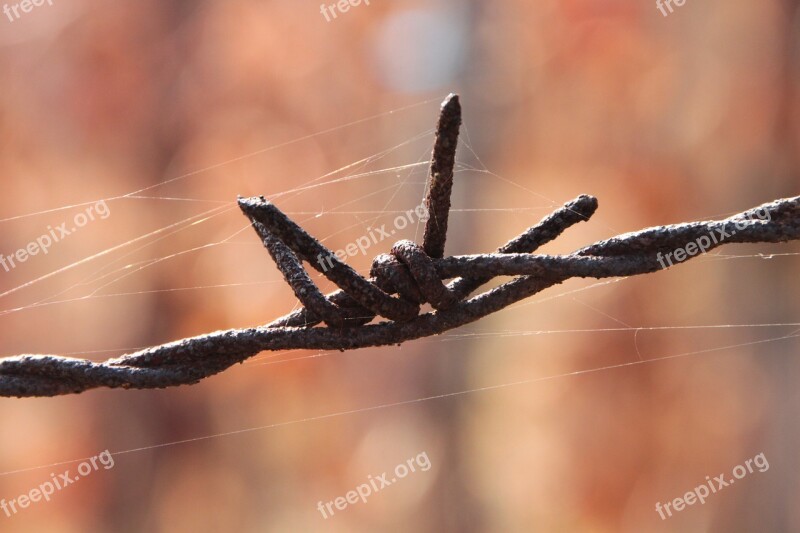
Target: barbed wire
(399,283)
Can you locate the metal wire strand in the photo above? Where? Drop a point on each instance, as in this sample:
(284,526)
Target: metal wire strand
(401,281)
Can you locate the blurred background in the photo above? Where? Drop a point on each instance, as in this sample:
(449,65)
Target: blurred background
(633,391)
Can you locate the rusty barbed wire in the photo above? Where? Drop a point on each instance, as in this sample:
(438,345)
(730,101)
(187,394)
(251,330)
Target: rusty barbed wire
(400,283)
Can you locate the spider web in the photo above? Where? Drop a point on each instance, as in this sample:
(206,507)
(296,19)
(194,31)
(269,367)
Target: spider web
(112,272)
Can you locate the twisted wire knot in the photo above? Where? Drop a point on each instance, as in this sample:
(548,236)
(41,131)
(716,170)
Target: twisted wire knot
(408,271)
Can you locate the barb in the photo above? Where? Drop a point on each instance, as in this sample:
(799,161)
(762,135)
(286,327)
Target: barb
(440,177)
(400,282)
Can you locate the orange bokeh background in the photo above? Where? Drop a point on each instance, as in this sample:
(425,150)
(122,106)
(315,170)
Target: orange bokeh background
(548,416)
